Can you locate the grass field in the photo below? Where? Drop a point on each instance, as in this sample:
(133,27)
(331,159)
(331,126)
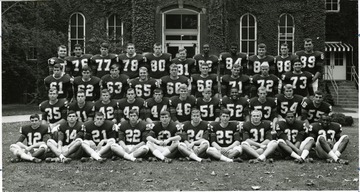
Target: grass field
(124,176)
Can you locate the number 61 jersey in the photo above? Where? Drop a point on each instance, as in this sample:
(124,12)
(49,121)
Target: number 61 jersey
(257,133)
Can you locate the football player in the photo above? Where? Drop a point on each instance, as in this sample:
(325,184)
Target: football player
(255,61)
(115,82)
(100,63)
(211,60)
(107,106)
(78,61)
(238,106)
(83,109)
(158,62)
(90,84)
(131,61)
(60,59)
(131,102)
(143,85)
(227,60)
(267,105)
(180,106)
(288,102)
(284,61)
(171,83)
(204,80)
(61,82)
(155,105)
(208,105)
(312,109)
(186,66)
(236,79)
(269,81)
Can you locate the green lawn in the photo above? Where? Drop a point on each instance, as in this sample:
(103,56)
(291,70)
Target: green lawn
(19,109)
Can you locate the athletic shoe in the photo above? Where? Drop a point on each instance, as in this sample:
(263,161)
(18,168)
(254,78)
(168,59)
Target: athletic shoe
(299,161)
(139,160)
(15,160)
(208,160)
(36,160)
(342,161)
(239,160)
(254,161)
(309,160)
(84,159)
(102,160)
(167,160)
(66,160)
(152,159)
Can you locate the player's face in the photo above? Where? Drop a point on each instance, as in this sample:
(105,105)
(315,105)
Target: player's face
(80,98)
(35,122)
(174,71)
(255,118)
(143,74)
(71,118)
(290,118)
(85,75)
(308,46)
(234,93)
(325,121)
(288,92)
(105,96)
(182,55)
(224,118)
(133,118)
(62,52)
(158,96)
(104,51)
(99,120)
(157,50)
(53,95)
(261,51)
(130,50)
(233,49)
(165,119)
(262,94)
(195,117)
(265,71)
(235,71)
(130,95)
(206,49)
(114,72)
(318,98)
(284,50)
(78,51)
(297,66)
(183,93)
(204,69)
(206,95)
(57,72)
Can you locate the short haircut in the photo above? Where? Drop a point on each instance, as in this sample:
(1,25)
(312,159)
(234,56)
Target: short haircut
(195,110)
(143,69)
(57,66)
(105,45)
(261,45)
(307,40)
(296,60)
(157,44)
(134,111)
(77,45)
(81,91)
(130,89)
(105,91)
(236,65)
(114,66)
(290,112)
(173,66)
(284,44)
(62,47)
(158,90)
(182,50)
(183,86)
(288,86)
(225,111)
(319,93)
(130,44)
(234,45)
(86,68)
(206,44)
(254,112)
(71,112)
(53,90)
(33,116)
(162,113)
(207,89)
(99,114)
(261,89)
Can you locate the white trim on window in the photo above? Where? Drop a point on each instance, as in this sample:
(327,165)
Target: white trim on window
(76,25)
(247,39)
(289,35)
(115,26)
(334,6)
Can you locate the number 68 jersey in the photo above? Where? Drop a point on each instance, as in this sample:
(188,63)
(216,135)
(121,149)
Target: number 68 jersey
(257,133)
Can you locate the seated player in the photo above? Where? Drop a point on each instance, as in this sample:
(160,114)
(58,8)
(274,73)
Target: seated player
(288,102)
(257,138)
(36,135)
(143,85)
(330,143)
(236,79)
(99,135)
(107,106)
(194,144)
(68,144)
(155,105)
(209,106)
(211,60)
(131,102)
(180,106)
(90,84)
(312,109)
(164,137)
(61,82)
(224,139)
(83,109)
(170,83)
(158,62)
(200,81)
(238,106)
(115,82)
(264,79)
(292,138)
(132,137)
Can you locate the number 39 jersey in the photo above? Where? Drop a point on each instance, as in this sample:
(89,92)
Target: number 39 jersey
(314,113)
(331,133)
(100,65)
(257,133)
(311,62)
(158,66)
(194,133)
(70,133)
(53,112)
(182,108)
(96,134)
(34,136)
(224,136)
(132,135)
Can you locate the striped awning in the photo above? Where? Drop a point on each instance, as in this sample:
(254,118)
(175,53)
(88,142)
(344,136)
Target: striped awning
(337,47)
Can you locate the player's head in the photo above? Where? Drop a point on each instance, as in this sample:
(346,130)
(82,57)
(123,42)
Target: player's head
(80,96)
(195,115)
(53,94)
(104,48)
(325,120)
(290,117)
(235,70)
(183,90)
(71,117)
(182,53)
(143,73)
(206,48)
(114,70)
(207,92)
(86,72)
(284,49)
(224,116)
(234,93)
(130,94)
(264,67)
(57,70)
(130,48)
(173,70)
(256,116)
(133,115)
(61,51)
(158,94)
(318,97)
(204,69)
(288,90)
(78,51)
(157,49)
(233,48)
(261,49)
(308,45)
(165,117)
(99,118)
(35,120)
(105,95)
(297,65)
(262,92)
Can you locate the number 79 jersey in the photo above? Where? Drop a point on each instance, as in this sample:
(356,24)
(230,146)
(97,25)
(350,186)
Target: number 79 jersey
(70,133)
(331,134)
(224,136)
(257,133)
(34,136)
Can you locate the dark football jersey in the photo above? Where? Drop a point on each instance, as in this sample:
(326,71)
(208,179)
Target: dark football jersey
(182,107)
(284,65)
(154,108)
(132,135)
(170,86)
(332,133)
(70,133)
(292,132)
(91,87)
(97,134)
(224,136)
(116,86)
(255,63)
(289,104)
(77,63)
(314,113)
(107,109)
(211,60)
(268,108)
(199,83)
(101,64)
(62,61)
(209,110)
(158,66)
(238,108)
(130,65)
(311,62)
(301,82)
(143,89)
(227,60)
(228,82)
(271,83)
(125,107)
(82,113)
(195,133)
(34,136)
(185,67)
(160,132)
(53,112)
(61,84)
(257,133)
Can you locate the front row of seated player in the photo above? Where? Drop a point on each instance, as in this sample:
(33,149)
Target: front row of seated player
(100,139)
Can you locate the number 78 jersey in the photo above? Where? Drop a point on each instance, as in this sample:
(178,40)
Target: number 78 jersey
(257,133)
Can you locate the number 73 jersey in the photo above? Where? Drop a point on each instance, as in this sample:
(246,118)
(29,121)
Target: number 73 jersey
(257,133)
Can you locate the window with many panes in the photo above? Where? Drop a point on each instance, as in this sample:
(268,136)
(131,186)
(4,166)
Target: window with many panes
(248,31)
(76,30)
(332,5)
(286,31)
(115,29)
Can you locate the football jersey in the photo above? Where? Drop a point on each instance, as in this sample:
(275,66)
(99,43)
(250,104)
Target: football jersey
(82,113)
(268,108)
(257,133)
(170,86)
(224,136)
(255,63)
(211,60)
(62,61)
(227,60)
(314,113)
(125,107)
(284,65)
(70,133)
(158,66)
(53,112)
(61,84)
(107,109)
(182,108)
(270,82)
(311,62)
(77,63)
(199,83)
(34,136)
(289,104)
(130,65)
(195,133)
(143,89)
(209,110)
(91,87)
(160,132)
(154,108)
(132,135)
(185,67)
(238,108)
(292,132)
(97,134)
(116,86)
(101,64)
(228,82)
(332,133)
(300,82)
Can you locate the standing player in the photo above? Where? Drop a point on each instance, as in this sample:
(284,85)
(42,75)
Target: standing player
(236,79)
(158,62)
(266,105)
(204,80)
(212,61)
(227,60)
(101,63)
(269,81)
(209,106)
(288,102)
(312,61)
(238,106)
(61,82)
(284,61)
(60,59)
(155,105)
(88,83)
(107,106)
(78,61)
(186,66)
(255,61)
(329,141)
(170,84)
(36,135)
(83,109)
(131,102)
(115,82)
(180,106)
(312,109)
(131,62)
(143,85)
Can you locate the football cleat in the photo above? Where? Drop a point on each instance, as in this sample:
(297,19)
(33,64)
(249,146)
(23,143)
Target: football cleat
(254,161)
(139,160)
(84,159)
(15,160)
(309,160)
(271,160)
(182,159)
(152,159)
(208,160)
(330,160)
(66,160)
(167,160)
(36,160)
(115,158)
(299,161)
(102,160)
(239,160)
(342,161)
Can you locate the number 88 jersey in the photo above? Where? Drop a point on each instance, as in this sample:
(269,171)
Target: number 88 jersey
(257,133)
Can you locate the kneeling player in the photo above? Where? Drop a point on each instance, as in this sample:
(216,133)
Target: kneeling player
(225,139)
(163,138)
(257,137)
(329,141)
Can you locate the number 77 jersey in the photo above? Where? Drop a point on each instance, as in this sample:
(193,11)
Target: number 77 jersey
(100,65)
